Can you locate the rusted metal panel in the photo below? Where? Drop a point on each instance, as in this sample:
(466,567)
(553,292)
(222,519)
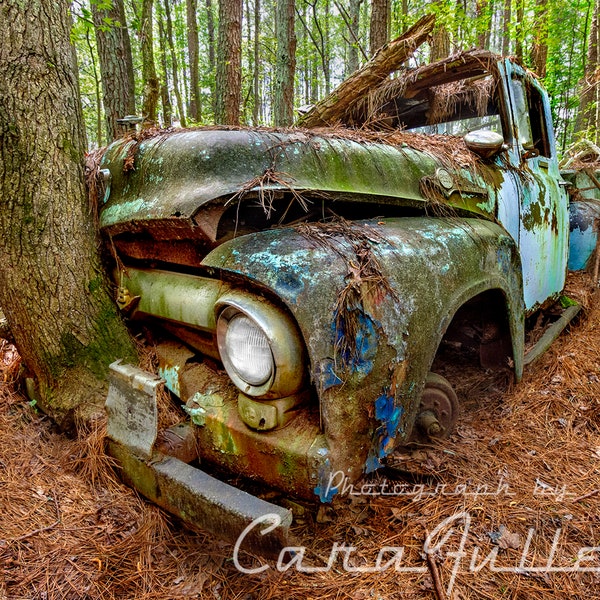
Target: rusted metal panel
(584,215)
(186,491)
(368,398)
(178,173)
(369,404)
(543,217)
(131,407)
(205,502)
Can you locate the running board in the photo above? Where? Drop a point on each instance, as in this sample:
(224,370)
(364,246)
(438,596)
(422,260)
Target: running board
(551,334)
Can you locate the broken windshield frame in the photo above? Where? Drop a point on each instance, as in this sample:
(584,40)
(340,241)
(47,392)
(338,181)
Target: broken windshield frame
(454,109)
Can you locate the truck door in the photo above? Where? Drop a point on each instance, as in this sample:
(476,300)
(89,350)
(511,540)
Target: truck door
(543,222)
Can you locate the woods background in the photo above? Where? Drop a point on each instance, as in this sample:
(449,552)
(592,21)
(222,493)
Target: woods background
(255,62)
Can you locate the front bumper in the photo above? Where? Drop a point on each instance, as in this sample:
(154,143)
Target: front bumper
(191,494)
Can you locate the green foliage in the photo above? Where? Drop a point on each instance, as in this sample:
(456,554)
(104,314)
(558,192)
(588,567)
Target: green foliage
(325,42)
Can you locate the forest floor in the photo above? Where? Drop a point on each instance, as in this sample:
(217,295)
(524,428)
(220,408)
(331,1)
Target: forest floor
(510,504)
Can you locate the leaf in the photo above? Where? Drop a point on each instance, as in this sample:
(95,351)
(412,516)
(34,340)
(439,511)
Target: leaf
(324,514)
(504,539)
(397,513)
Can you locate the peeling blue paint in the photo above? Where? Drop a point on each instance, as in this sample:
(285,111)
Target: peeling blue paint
(583,238)
(171,376)
(389,415)
(581,246)
(373,462)
(327,375)
(324,489)
(364,347)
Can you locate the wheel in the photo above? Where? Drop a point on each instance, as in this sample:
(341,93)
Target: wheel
(438,410)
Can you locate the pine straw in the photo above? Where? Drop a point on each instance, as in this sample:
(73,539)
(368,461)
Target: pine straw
(72,531)
(365,280)
(450,150)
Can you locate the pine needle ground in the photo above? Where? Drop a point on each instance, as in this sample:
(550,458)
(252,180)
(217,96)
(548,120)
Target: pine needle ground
(519,478)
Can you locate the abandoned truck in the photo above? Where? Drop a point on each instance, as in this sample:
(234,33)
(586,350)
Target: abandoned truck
(298,283)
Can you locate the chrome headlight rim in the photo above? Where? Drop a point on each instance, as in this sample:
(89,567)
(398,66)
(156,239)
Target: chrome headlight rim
(288,375)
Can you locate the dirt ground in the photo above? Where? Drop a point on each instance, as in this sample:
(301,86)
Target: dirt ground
(510,506)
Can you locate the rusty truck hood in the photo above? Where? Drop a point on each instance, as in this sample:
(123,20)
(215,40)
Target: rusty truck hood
(173,174)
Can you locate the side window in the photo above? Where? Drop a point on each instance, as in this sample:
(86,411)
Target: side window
(529,115)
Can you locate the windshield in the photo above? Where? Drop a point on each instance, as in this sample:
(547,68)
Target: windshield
(453,109)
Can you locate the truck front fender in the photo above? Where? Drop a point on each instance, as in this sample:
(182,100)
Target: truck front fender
(373,300)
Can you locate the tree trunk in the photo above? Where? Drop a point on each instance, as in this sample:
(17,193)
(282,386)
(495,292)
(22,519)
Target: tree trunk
(210,41)
(210,31)
(324,32)
(285,68)
(586,116)
(354,42)
(483,23)
(256,77)
(440,44)
(164,87)
(116,64)
(52,287)
(539,51)
(379,31)
(333,107)
(519,34)
(174,65)
(193,51)
(150,80)
(506,28)
(229,63)
(97,93)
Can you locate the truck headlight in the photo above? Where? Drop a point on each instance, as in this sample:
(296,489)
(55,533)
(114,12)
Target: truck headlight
(260,346)
(246,350)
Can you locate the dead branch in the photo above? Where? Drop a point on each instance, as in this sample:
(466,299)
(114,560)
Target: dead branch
(386,60)
(435,575)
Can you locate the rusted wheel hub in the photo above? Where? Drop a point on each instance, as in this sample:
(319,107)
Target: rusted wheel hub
(438,410)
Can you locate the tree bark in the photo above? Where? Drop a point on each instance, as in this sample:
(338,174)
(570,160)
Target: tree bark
(174,65)
(483,23)
(193,52)
(229,63)
(256,108)
(506,28)
(379,31)
(164,86)
(285,67)
(539,51)
(210,31)
(354,42)
(389,58)
(585,122)
(519,33)
(116,64)
(210,35)
(97,84)
(52,287)
(150,80)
